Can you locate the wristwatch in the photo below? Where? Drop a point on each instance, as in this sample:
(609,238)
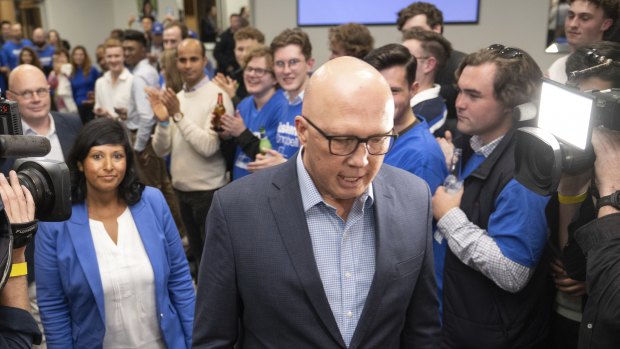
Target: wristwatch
(177,116)
(609,200)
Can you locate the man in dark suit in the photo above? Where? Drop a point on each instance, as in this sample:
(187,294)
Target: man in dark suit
(332,249)
(29,88)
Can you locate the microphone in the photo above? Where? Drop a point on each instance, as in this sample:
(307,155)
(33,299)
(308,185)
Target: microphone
(24,146)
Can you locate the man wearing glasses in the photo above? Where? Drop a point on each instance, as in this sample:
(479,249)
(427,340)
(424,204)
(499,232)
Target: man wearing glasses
(292,63)
(495,286)
(29,88)
(333,248)
(431,51)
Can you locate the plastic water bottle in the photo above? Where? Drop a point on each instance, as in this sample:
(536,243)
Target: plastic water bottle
(453,182)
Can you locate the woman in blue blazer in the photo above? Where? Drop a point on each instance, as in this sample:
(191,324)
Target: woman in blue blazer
(115,274)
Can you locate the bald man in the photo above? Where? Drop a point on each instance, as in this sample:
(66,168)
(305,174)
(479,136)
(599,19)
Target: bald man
(332,249)
(29,88)
(44,50)
(184,131)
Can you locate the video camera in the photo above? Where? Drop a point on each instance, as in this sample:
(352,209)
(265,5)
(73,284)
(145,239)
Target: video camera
(48,181)
(562,141)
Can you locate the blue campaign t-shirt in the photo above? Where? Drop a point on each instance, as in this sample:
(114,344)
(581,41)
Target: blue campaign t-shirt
(45,54)
(287,142)
(11,51)
(268,117)
(417,151)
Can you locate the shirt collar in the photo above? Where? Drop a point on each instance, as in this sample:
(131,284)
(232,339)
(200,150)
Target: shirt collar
(297,100)
(125,74)
(141,63)
(430,93)
(202,82)
(29,131)
(485,150)
(310,195)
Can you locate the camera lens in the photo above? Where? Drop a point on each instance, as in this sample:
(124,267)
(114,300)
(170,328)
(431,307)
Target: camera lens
(39,186)
(49,183)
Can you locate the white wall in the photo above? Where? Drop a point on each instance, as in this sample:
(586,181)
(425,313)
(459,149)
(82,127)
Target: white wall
(89,22)
(81,22)
(514,23)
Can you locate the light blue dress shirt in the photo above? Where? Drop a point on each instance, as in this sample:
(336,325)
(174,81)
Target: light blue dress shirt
(140,116)
(344,251)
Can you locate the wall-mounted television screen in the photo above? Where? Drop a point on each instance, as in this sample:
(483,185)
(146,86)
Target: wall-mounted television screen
(376,12)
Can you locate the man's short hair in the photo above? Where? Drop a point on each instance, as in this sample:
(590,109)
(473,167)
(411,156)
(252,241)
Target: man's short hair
(433,43)
(393,55)
(587,57)
(182,27)
(250,33)
(611,8)
(517,76)
(151,18)
(257,52)
(433,15)
(134,35)
(355,39)
(112,42)
(117,34)
(293,36)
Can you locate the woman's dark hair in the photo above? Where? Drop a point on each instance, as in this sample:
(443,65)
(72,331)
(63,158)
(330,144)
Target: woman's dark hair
(103,131)
(35,58)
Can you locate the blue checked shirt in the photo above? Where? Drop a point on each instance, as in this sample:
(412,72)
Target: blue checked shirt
(344,251)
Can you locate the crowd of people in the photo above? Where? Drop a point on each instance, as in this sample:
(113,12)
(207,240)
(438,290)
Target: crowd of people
(262,201)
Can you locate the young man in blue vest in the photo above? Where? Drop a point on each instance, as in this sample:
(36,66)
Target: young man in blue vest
(495,286)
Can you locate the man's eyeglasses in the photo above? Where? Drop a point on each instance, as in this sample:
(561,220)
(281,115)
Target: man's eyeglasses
(347,145)
(292,63)
(260,72)
(505,52)
(28,94)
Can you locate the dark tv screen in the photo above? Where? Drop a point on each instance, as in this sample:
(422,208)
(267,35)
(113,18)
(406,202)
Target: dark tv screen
(377,12)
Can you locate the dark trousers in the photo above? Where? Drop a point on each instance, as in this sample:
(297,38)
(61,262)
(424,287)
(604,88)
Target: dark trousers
(152,172)
(564,332)
(194,207)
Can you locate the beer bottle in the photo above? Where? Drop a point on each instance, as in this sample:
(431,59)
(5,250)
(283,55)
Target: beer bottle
(264,141)
(218,112)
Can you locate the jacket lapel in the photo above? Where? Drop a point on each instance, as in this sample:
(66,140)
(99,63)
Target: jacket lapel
(287,208)
(384,240)
(79,231)
(148,230)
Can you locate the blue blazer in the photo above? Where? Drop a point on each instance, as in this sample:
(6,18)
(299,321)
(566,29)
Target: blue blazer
(69,289)
(259,285)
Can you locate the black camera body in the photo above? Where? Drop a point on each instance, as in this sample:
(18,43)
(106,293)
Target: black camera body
(562,141)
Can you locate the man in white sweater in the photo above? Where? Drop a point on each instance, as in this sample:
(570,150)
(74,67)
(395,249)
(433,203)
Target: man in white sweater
(184,131)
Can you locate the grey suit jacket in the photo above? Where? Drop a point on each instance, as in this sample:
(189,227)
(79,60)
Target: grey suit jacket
(259,284)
